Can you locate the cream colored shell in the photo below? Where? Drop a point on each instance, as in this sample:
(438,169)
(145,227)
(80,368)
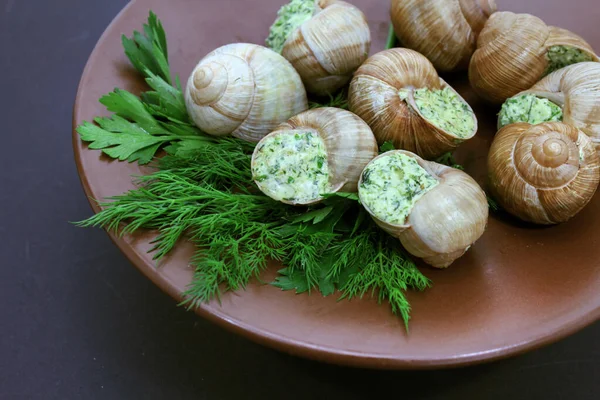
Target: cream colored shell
(244,90)
(444,31)
(446,221)
(543,173)
(374,96)
(329,47)
(349,143)
(511,54)
(576,89)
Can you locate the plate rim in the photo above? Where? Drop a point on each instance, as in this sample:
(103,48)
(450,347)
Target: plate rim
(285,344)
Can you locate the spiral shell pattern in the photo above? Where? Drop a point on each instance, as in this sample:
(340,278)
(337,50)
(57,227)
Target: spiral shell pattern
(543,173)
(244,90)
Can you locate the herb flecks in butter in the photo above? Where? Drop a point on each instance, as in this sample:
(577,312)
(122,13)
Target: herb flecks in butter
(446,110)
(392,184)
(528,108)
(292,166)
(289,18)
(563,56)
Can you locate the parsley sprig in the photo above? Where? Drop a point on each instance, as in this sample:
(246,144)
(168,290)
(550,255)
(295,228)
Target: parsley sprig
(202,191)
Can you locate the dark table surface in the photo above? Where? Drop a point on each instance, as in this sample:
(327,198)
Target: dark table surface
(77,321)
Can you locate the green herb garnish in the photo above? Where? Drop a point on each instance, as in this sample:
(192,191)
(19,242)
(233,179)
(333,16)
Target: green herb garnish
(203,191)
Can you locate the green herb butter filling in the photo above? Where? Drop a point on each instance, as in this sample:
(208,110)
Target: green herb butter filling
(528,108)
(446,110)
(289,17)
(292,167)
(563,56)
(392,184)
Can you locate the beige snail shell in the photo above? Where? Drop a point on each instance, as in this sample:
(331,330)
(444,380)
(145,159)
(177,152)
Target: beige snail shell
(513,54)
(329,47)
(444,31)
(348,142)
(374,95)
(446,221)
(243,90)
(576,90)
(543,173)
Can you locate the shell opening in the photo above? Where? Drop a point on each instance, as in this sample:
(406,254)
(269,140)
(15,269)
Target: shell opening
(529,108)
(292,166)
(289,18)
(563,56)
(391,185)
(209,84)
(444,109)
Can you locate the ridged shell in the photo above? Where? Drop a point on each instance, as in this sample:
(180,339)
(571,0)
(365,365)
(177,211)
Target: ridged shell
(373,96)
(446,221)
(444,31)
(576,89)
(511,54)
(349,143)
(543,173)
(328,48)
(244,90)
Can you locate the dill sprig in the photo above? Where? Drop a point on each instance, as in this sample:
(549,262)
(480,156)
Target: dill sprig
(237,233)
(202,191)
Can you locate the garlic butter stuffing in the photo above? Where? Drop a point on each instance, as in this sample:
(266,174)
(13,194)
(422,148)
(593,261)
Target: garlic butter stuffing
(446,110)
(569,95)
(530,109)
(325,41)
(399,94)
(289,18)
(316,152)
(563,56)
(437,212)
(390,186)
(514,51)
(292,166)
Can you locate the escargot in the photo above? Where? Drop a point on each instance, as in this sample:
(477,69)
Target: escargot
(325,40)
(400,95)
(514,51)
(437,212)
(316,152)
(570,95)
(543,173)
(244,90)
(444,31)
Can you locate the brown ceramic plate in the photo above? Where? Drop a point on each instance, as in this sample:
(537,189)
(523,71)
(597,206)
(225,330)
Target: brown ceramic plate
(518,288)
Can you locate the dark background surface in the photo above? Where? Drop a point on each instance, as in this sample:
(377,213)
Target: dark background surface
(77,321)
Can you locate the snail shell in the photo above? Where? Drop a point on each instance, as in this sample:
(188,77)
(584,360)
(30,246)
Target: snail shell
(576,89)
(374,96)
(543,173)
(444,31)
(244,90)
(329,47)
(512,54)
(349,146)
(446,221)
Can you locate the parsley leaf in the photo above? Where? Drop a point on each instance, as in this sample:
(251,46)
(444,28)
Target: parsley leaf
(148,52)
(131,144)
